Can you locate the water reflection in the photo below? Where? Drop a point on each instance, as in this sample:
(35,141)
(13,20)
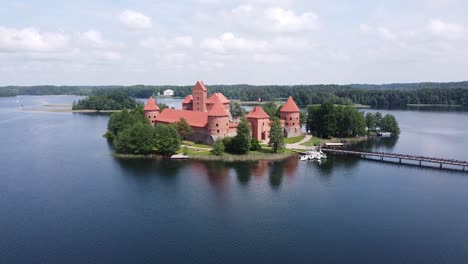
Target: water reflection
(377,143)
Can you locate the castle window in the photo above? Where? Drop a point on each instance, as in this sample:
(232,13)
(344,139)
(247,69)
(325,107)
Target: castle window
(286,123)
(293,124)
(154,116)
(218,130)
(217,125)
(290,118)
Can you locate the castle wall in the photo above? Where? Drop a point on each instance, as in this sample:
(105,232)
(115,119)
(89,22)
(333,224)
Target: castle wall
(260,128)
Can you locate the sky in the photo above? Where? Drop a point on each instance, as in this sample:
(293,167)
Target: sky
(123,42)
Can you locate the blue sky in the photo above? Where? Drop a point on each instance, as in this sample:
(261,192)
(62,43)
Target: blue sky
(232,41)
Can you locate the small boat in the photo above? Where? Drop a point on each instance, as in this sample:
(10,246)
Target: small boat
(314,155)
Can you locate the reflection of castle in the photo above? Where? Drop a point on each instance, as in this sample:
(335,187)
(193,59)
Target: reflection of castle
(210,118)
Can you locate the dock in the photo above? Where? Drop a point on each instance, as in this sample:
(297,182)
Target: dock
(399,158)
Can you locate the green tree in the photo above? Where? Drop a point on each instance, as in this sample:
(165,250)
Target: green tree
(218,147)
(167,140)
(276,135)
(138,139)
(378,119)
(370,121)
(183,128)
(389,124)
(270,108)
(328,120)
(242,141)
(255,145)
(237,110)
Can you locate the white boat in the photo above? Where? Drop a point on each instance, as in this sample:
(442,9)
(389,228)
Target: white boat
(314,155)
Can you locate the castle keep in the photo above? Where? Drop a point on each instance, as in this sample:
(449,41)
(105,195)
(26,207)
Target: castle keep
(210,117)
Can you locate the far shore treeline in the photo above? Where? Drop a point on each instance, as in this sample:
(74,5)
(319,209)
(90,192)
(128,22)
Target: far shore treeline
(389,95)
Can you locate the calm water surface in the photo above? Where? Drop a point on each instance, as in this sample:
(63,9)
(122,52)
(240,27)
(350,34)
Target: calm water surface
(65,199)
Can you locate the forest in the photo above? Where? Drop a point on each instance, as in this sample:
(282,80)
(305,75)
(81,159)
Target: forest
(378,96)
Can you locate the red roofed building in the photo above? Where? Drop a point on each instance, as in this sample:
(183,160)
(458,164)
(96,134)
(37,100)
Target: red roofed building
(260,123)
(290,115)
(151,110)
(210,117)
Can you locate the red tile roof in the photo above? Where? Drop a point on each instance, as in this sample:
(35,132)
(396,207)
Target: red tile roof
(194,118)
(217,109)
(151,105)
(257,113)
(201,85)
(188,99)
(221,98)
(290,106)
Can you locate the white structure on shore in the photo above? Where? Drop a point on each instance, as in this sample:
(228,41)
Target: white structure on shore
(168,93)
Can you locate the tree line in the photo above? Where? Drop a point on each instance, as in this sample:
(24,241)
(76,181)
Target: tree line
(111,101)
(328,120)
(390,95)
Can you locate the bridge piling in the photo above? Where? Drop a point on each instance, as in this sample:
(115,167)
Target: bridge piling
(441,165)
(420,163)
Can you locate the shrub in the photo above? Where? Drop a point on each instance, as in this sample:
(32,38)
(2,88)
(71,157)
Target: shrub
(255,145)
(218,147)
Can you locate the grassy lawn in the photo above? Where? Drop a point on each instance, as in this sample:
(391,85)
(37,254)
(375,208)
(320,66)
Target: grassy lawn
(193,144)
(314,141)
(293,140)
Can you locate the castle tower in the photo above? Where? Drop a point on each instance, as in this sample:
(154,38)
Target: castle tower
(200,97)
(218,120)
(151,110)
(260,122)
(290,114)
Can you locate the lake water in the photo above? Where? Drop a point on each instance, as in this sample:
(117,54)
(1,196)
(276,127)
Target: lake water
(65,199)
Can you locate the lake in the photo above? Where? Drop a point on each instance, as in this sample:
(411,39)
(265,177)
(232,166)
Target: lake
(65,199)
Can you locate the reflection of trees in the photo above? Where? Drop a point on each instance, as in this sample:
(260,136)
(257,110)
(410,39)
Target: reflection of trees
(276,173)
(150,167)
(326,167)
(376,143)
(243,171)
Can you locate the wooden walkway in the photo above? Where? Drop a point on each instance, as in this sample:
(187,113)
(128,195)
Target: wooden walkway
(400,157)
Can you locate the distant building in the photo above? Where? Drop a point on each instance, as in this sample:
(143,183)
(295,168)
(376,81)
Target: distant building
(168,93)
(210,117)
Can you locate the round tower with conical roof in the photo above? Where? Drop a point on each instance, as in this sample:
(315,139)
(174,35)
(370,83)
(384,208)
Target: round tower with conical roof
(151,110)
(290,115)
(218,120)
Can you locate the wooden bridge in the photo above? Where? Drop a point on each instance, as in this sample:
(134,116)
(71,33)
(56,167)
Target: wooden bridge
(400,157)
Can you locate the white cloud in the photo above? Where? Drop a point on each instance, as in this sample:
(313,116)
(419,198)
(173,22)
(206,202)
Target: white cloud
(111,55)
(385,33)
(381,32)
(228,41)
(270,58)
(135,20)
(445,29)
(93,38)
(274,19)
(179,42)
(211,65)
(32,39)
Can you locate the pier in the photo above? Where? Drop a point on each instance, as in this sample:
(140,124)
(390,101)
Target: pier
(399,158)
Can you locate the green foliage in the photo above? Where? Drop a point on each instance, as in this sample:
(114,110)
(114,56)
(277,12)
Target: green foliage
(328,120)
(183,128)
(389,124)
(378,119)
(242,141)
(119,121)
(276,135)
(237,110)
(162,106)
(270,108)
(112,101)
(138,139)
(370,121)
(255,145)
(388,95)
(218,147)
(167,140)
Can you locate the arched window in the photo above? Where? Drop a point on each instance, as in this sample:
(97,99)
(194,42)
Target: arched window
(217,125)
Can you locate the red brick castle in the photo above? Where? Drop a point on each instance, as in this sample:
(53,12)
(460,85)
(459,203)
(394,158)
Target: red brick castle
(210,118)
